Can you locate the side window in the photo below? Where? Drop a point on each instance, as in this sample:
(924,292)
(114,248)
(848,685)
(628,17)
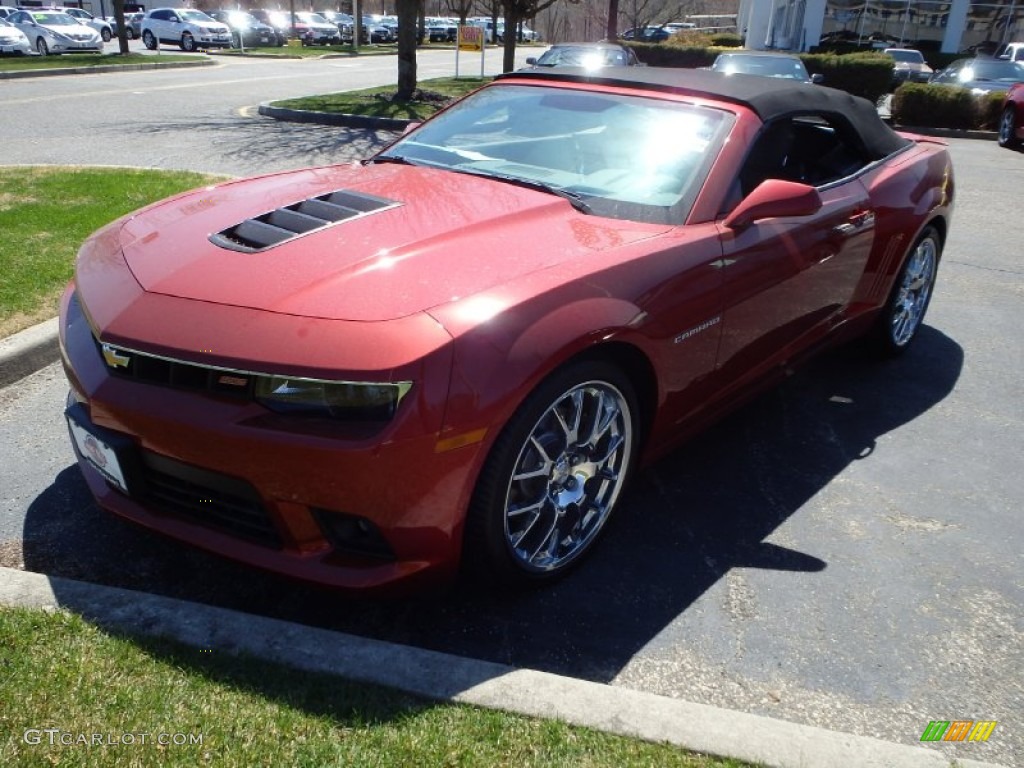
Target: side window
(810,149)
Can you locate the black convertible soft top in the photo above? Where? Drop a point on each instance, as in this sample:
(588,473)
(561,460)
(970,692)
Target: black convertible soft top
(768,97)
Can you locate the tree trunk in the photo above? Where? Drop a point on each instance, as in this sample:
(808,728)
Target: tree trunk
(612,33)
(407,12)
(511,26)
(122,29)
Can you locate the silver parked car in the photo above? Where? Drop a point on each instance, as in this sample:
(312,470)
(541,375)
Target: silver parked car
(55,32)
(13,40)
(84,17)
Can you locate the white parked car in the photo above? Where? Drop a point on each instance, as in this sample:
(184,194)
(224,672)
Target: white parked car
(13,40)
(187,28)
(101,26)
(55,32)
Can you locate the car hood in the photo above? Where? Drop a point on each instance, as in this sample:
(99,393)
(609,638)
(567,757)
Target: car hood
(437,237)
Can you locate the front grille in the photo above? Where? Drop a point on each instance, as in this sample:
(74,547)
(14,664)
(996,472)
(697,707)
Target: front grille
(127,364)
(291,221)
(208,498)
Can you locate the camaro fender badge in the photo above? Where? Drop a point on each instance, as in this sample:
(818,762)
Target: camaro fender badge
(114,358)
(696,329)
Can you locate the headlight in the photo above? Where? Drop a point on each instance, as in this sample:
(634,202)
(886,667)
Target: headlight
(352,401)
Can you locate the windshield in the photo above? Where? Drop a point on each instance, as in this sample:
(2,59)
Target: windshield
(1008,71)
(188,15)
(312,18)
(625,157)
(766,66)
(579,56)
(242,19)
(55,19)
(908,57)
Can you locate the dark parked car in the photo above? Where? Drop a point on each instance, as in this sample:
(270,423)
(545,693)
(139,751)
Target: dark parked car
(589,55)
(980,74)
(780,65)
(315,373)
(246,29)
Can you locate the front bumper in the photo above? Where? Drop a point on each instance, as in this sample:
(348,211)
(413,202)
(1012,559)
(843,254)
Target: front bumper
(364,509)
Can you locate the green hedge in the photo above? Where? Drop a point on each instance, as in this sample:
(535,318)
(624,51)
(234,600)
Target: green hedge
(862,74)
(943,106)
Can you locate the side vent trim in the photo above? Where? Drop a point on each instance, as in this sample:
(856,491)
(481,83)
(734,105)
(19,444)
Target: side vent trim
(283,224)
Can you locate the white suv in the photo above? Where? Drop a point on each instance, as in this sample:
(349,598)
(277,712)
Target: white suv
(188,28)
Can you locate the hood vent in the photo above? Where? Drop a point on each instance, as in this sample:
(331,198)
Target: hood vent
(283,224)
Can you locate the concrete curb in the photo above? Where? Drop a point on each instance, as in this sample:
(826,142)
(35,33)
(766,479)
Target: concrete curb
(327,118)
(101,69)
(27,351)
(444,677)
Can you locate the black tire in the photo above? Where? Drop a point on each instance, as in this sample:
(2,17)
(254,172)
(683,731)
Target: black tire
(129,34)
(148,40)
(546,490)
(41,47)
(910,296)
(105,34)
(1008,128)
(188,43)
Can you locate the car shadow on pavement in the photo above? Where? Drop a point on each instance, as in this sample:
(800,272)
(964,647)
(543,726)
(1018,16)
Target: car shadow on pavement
(684,524)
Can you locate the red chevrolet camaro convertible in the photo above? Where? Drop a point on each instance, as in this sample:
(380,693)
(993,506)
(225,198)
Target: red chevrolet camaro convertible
(457,352)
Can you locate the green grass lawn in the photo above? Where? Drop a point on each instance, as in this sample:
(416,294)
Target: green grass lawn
(45,215)
(431,96)
(59,672)
(71,60)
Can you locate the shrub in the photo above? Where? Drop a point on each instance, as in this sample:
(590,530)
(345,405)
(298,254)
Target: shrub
(669,55)
(727,40)
(988,109)
(862,74)
(937,106)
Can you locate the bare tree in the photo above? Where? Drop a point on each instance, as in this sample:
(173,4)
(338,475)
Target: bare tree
(460,8)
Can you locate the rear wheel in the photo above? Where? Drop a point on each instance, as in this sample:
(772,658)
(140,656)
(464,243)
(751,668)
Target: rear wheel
(554,475)
(1008,128)
(904,312)
(188,43)
(148,40)
(129,34)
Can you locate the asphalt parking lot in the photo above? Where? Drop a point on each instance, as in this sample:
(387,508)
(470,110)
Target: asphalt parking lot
(843,552)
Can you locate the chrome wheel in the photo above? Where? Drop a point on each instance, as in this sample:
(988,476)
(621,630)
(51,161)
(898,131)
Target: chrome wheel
(914,291)
(188,43)
(1008,128)
(41,47)
(554,475)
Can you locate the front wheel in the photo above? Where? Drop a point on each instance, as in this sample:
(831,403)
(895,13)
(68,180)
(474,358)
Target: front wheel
(148,40)
(904,312)
(554,476)
(105,34)
(1008,128)
(188,43)
(41,47)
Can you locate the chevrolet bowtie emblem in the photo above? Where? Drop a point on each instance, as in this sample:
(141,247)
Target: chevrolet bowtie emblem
(114,358)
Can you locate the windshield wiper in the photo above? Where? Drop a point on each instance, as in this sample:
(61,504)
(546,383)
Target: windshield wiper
(398,159)
(575,199)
